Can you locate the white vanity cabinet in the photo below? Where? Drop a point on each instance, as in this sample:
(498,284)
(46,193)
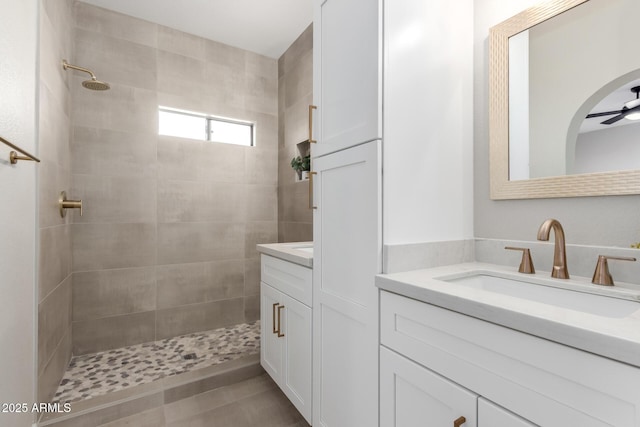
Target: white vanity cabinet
(520,380)
(347,73)
(285,307)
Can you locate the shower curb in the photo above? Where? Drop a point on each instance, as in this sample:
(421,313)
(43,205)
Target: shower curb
(123,403)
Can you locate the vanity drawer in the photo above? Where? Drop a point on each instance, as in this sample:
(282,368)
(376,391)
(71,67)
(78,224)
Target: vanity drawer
(287,277)
(542,381)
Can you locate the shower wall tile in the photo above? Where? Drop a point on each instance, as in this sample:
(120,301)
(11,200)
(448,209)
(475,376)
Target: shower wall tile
(115,60)
(167,242)
(258,232)
(183,284)
(252,308)
(180,74)
(262,202)
(54,321)
(252,276)
(50,376)
(199,317)
(199,241)
(105,246)
(187,159)
(121,108)
(196,201)
(52,50)
(181,43)
(103,152)
(52,179)
(114,199)
(104,293)
(89,17)
(261,166)
(95,335)
(54,133)
(295,93)
(54,258)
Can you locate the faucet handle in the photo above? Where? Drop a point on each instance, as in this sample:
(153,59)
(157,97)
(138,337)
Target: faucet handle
(526,265)
(602,276)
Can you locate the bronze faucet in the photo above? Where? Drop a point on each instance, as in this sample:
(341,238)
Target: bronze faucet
(559,270)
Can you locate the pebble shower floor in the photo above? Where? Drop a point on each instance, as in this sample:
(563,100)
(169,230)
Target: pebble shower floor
(96,374)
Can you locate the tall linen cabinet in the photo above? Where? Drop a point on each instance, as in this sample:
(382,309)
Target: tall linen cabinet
(417,150)
(347,223)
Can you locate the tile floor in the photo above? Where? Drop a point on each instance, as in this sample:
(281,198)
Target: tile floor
(100,373)
(250,403)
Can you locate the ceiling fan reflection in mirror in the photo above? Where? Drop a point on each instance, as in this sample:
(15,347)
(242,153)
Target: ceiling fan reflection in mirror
(630,110)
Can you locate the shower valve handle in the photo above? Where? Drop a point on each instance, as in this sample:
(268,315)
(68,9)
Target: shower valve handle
(68,204)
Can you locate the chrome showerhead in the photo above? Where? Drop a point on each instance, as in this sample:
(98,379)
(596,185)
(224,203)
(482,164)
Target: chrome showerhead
(93,84)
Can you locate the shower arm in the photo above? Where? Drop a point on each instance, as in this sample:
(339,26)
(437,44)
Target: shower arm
(66,65)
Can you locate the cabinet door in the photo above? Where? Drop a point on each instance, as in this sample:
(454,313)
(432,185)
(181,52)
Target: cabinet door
(491,415)
(271,346)
(347,256)
(413,396)
(347,77)
(296,374)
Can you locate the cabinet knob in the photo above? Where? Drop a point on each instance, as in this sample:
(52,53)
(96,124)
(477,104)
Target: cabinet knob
(458,422)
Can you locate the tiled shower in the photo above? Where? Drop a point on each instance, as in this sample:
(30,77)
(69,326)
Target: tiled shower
(166,242)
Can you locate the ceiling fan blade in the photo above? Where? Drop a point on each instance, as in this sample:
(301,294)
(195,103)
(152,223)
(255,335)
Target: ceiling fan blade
(605,113)
(624,113)
(612,120)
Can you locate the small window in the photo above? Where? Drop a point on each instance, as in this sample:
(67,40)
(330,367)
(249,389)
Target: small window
(185,124)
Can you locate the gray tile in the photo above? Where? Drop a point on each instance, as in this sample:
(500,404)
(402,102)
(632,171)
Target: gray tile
(261,94)
(54,322)
(299,80)
(252,276)
(55,258)
(181,43)
(90,336)
(296,119)
(193,201)
(251,308)
(199,317)
(223,54)
(202,241)
(206,401)
(92,18)
(114,199)
(185,159)
(182,284)
(106,293)
(260,65)
(229,89)
(261,166)
(113,152)
(302,45)
(115,60)
(262,203)
(297,232)
(181,74)
(52,179)
(258,233)
(52,372)
(121,108)
(151,418)
(55,132)
(103,246)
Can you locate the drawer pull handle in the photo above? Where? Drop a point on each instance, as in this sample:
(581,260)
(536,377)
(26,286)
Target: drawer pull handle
(459,422)
(280,334)
(273,322)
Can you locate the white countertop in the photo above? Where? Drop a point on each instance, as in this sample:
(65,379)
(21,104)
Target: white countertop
(300,253)
(614,337)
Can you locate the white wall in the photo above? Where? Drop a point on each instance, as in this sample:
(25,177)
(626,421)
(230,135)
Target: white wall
(428,121)
(18,48)
(612,149)
(606,221)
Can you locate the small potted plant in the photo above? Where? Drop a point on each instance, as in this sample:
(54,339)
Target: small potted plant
(302,165)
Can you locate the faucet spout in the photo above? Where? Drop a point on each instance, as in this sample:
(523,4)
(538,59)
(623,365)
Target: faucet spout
(559,270)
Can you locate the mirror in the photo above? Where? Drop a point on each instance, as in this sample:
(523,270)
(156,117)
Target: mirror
(551,67)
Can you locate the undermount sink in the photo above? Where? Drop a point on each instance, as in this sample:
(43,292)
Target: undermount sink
(547,293)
